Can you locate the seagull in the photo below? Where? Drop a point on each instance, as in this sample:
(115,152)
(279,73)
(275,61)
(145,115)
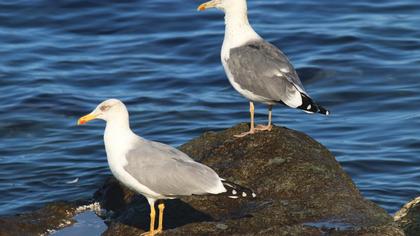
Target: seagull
(155,170)
(258,70)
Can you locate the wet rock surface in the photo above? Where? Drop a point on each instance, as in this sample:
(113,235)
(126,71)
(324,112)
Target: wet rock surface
(301,188)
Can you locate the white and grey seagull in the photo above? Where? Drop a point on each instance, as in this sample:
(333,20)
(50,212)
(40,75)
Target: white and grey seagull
(257,69)
(155,170)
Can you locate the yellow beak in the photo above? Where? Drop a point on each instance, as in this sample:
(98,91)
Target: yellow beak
(83,120)
(206,5)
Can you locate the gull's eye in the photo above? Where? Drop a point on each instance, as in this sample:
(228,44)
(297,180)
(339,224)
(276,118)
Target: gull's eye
(104,108)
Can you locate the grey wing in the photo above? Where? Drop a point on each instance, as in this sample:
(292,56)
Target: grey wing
(170,172)
(264,70)
(167,150)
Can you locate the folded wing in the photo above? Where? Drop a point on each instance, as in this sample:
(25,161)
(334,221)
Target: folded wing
(170,172)
(262,69)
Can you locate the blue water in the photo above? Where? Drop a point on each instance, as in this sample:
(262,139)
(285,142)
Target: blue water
(59,59)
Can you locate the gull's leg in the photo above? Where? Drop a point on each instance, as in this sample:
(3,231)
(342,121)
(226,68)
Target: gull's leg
(252,129)
(269,126)
(251,110)
(152,219)
(161,207)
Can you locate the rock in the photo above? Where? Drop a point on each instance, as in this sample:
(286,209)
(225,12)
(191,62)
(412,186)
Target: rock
(301,188)
(408,218)
(53,216)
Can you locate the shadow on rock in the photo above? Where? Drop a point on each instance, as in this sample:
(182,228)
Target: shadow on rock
(133,210)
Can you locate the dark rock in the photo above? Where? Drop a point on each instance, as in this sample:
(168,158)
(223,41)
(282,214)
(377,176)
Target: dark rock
(51,217)
(113,196)
(408,218)
(301,189)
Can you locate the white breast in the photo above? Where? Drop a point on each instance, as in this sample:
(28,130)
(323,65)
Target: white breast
(116,149)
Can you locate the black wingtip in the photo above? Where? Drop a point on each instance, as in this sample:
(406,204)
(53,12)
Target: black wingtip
(236,191)
(309,105)
(323,111)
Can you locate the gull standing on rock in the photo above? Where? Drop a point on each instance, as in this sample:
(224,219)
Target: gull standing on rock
(257,69)
(155,170)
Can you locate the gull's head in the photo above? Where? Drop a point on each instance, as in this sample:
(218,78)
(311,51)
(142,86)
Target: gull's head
(111,109)
(225,5)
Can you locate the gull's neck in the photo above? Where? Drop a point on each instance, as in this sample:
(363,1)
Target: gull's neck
(238,31)
(118,137)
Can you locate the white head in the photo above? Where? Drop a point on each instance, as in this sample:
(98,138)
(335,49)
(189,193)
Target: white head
(238,31)
(109,110)
(228,6)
